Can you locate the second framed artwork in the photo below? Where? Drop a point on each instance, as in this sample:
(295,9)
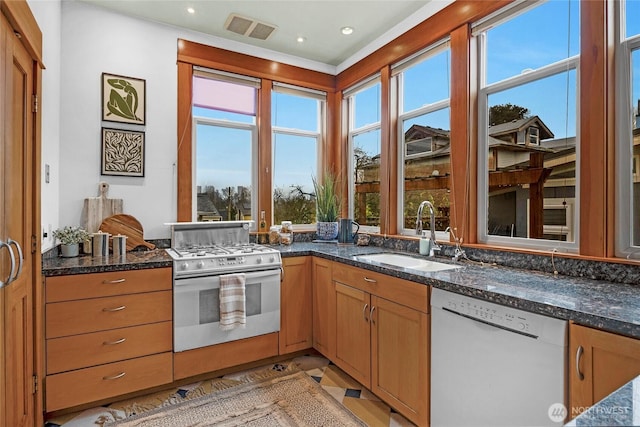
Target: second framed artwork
(123,99)
(122,152)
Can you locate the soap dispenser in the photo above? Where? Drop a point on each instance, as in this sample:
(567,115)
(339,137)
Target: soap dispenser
(425,243)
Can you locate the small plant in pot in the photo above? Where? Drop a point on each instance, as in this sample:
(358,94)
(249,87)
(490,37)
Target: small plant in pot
(70,239)
(327,206)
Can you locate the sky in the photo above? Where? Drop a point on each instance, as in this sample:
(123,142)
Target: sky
(529,41)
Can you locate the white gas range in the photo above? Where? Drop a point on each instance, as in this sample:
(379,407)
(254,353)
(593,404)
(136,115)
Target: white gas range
(202,252)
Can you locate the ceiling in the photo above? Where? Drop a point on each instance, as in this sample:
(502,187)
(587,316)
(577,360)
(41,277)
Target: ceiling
(375,22)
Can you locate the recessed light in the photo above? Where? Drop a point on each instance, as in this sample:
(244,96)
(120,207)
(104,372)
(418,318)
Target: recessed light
(191,10)
(300,39)
(346,30)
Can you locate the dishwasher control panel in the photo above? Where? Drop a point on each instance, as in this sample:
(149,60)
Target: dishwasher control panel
(490,313)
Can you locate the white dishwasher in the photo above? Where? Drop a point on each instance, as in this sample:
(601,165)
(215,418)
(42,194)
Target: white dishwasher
(493,365)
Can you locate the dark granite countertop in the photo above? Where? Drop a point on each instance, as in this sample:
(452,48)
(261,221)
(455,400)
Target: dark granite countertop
(600,304)
(620,408)
(135,260)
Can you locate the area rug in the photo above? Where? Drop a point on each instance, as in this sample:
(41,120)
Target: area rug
(268,398)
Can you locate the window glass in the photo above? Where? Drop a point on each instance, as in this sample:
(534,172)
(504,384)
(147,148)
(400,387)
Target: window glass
(533,39)
(296,142)
(294,163)
(529,128)
(632,14)
(427,168)
(225,139)
(366,106)
(223,173)
(366,165)
(426,82)
(635,161)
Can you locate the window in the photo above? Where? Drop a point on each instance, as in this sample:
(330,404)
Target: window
(297,125)
(628,114)
(363,108)
(422,86)
(225,141)
(527,126)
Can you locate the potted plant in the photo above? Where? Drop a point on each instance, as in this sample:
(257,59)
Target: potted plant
(70,239)
(327,206)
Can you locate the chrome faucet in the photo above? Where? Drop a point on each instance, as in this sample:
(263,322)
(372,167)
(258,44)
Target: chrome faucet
(433,244)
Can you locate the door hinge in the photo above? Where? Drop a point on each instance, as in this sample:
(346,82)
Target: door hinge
(35,384)
(35,103)
(34,244)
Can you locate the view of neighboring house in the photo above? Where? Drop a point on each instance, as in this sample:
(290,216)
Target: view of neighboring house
(226,205)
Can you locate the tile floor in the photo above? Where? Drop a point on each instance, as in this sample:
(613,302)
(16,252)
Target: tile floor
(338,384)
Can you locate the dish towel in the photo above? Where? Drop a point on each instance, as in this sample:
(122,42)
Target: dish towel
(232,301)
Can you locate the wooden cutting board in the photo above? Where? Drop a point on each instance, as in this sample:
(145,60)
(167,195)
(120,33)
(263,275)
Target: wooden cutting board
(126,225)
(98,208)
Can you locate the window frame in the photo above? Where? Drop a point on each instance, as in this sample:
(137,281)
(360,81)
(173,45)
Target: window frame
(397,83)
(348,101)
(624,246)
(484,91)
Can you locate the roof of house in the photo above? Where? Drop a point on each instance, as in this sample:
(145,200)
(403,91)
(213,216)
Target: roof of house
(521,124)
(205,204)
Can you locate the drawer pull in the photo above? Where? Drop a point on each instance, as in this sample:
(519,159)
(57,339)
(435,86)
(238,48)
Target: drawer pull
(114,377)
(110,310)
(113,282)
(120,341)
(366,279)
(579,353)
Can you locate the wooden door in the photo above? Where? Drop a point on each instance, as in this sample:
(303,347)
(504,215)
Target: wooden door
(17,204)
(324,308)
(599,363)
(353,340)
(400,358)
(295,306)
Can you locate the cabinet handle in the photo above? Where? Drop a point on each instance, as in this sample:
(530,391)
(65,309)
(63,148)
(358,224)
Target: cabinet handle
(373,308)
(364,312)
(113,282)
(20,257)
(120,341)
(366,279)
(578,357)
(110,310)
(115,377)
(13,264)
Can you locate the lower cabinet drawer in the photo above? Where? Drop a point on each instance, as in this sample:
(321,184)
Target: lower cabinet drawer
(98,348)
(101,382)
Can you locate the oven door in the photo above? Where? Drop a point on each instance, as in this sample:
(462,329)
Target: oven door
(196,309)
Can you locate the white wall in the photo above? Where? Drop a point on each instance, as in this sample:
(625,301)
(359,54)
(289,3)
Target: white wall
(48,15)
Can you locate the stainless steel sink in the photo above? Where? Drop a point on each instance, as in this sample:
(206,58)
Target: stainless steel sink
(406,261)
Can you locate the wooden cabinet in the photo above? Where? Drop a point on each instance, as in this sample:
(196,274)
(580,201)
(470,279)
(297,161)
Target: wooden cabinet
(20,259)
(107,334)
(295,305)
(599,363)
(382,337)
(324,307)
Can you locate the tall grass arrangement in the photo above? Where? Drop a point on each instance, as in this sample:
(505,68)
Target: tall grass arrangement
(327,197)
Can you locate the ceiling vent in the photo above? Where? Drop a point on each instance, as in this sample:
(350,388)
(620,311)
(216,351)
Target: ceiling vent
(249,27)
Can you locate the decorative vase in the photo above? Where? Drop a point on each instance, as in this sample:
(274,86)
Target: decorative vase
(69,251)
(327,230)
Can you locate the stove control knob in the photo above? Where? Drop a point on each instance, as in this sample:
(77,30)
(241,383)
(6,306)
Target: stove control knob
(259,260)
(272,258)
(184,266)
(201,264)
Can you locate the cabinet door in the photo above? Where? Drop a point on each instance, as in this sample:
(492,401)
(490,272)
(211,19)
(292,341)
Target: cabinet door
(399,358)
(295,305)
(353,340)
(599,363)
(324,308)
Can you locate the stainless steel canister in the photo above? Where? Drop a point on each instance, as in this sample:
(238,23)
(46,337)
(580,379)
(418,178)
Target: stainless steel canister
(100,244)
(119,246)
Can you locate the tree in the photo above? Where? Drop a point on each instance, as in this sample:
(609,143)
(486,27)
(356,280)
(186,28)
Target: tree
(504,113)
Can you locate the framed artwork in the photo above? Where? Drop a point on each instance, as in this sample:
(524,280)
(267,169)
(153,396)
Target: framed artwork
(122,152)
(123,99)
